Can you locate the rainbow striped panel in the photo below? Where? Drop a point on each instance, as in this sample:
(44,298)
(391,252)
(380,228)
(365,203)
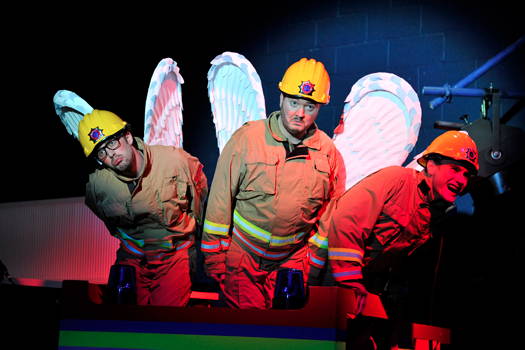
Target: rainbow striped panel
(121,334)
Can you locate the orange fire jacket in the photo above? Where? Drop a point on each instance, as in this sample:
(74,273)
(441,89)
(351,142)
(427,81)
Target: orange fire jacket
(266,197)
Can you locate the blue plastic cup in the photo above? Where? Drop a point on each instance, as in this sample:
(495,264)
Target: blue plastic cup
(122,285)
(289,289)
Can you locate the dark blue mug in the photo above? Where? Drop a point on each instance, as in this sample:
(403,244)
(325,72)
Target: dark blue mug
(122,287)
(289,289)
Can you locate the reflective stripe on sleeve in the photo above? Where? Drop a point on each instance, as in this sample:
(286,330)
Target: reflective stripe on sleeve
(352,273)
(320,241)
(215,246)
(130,247)
(345,254)
(317,261)
(120,233)
(216,228)
(210,247)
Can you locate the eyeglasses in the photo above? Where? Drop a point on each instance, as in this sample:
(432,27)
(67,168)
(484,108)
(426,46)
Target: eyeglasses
(112,145)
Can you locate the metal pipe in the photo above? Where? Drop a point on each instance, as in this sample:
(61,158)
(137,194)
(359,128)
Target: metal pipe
(444,125)
(467,92)
(480,71)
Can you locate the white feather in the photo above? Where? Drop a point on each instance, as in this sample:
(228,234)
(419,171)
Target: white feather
(235,93)
(71,108)
(381,121)
(163,112)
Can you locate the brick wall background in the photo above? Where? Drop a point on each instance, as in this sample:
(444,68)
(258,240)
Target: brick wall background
(108,59)
(428,43)
(108,56)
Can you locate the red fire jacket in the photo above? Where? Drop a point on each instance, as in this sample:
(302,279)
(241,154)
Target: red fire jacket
(384,215)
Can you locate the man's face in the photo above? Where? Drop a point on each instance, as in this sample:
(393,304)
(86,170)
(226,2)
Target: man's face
(121,158)
(298,114)
(448,180)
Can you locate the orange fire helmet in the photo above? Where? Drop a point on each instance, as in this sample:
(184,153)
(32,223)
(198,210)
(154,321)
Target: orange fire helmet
(456,145)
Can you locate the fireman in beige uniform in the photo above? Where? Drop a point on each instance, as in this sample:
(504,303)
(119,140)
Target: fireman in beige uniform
(151,199)
(272,181)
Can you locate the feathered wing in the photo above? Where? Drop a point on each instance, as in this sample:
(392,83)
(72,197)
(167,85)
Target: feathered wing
(414,164)
(235,93)
(379,126)
(163,115)
(71,108)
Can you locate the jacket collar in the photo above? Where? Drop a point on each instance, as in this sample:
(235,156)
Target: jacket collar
(311,140)
(423,187)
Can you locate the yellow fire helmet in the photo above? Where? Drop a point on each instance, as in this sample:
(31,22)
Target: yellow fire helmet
(453,144)
(307,78)
(96,126)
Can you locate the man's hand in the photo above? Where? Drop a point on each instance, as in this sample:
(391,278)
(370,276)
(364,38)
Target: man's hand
(360,295)
(215,266)
(219,277)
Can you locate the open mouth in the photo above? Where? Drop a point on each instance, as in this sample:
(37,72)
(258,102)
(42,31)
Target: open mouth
(456,189)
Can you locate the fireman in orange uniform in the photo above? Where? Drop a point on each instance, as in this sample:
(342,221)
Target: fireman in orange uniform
(273,179)
(388,214)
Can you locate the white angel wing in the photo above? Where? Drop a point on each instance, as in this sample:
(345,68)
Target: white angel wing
(163,115)
(380,125)
(71,108)
(235,93)
(414,164)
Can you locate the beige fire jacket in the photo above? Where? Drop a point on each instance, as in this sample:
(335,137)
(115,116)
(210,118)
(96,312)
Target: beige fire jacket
(267,197)
(161,213)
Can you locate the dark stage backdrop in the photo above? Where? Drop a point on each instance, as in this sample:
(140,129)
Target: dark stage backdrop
(107,56)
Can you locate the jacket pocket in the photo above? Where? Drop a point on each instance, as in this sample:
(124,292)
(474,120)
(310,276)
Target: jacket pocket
(318,189)
(260,176)
(320,181)
(173,199)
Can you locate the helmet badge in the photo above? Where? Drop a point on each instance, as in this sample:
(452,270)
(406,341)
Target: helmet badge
(470,154)
(95,134)
(306,88)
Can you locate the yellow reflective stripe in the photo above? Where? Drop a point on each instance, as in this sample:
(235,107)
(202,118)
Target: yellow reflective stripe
(250,228)
(215,228)
(320,241)
(280,241)
(261,234)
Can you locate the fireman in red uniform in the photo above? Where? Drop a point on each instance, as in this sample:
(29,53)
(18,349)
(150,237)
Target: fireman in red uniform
(272,180)
(388,214)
